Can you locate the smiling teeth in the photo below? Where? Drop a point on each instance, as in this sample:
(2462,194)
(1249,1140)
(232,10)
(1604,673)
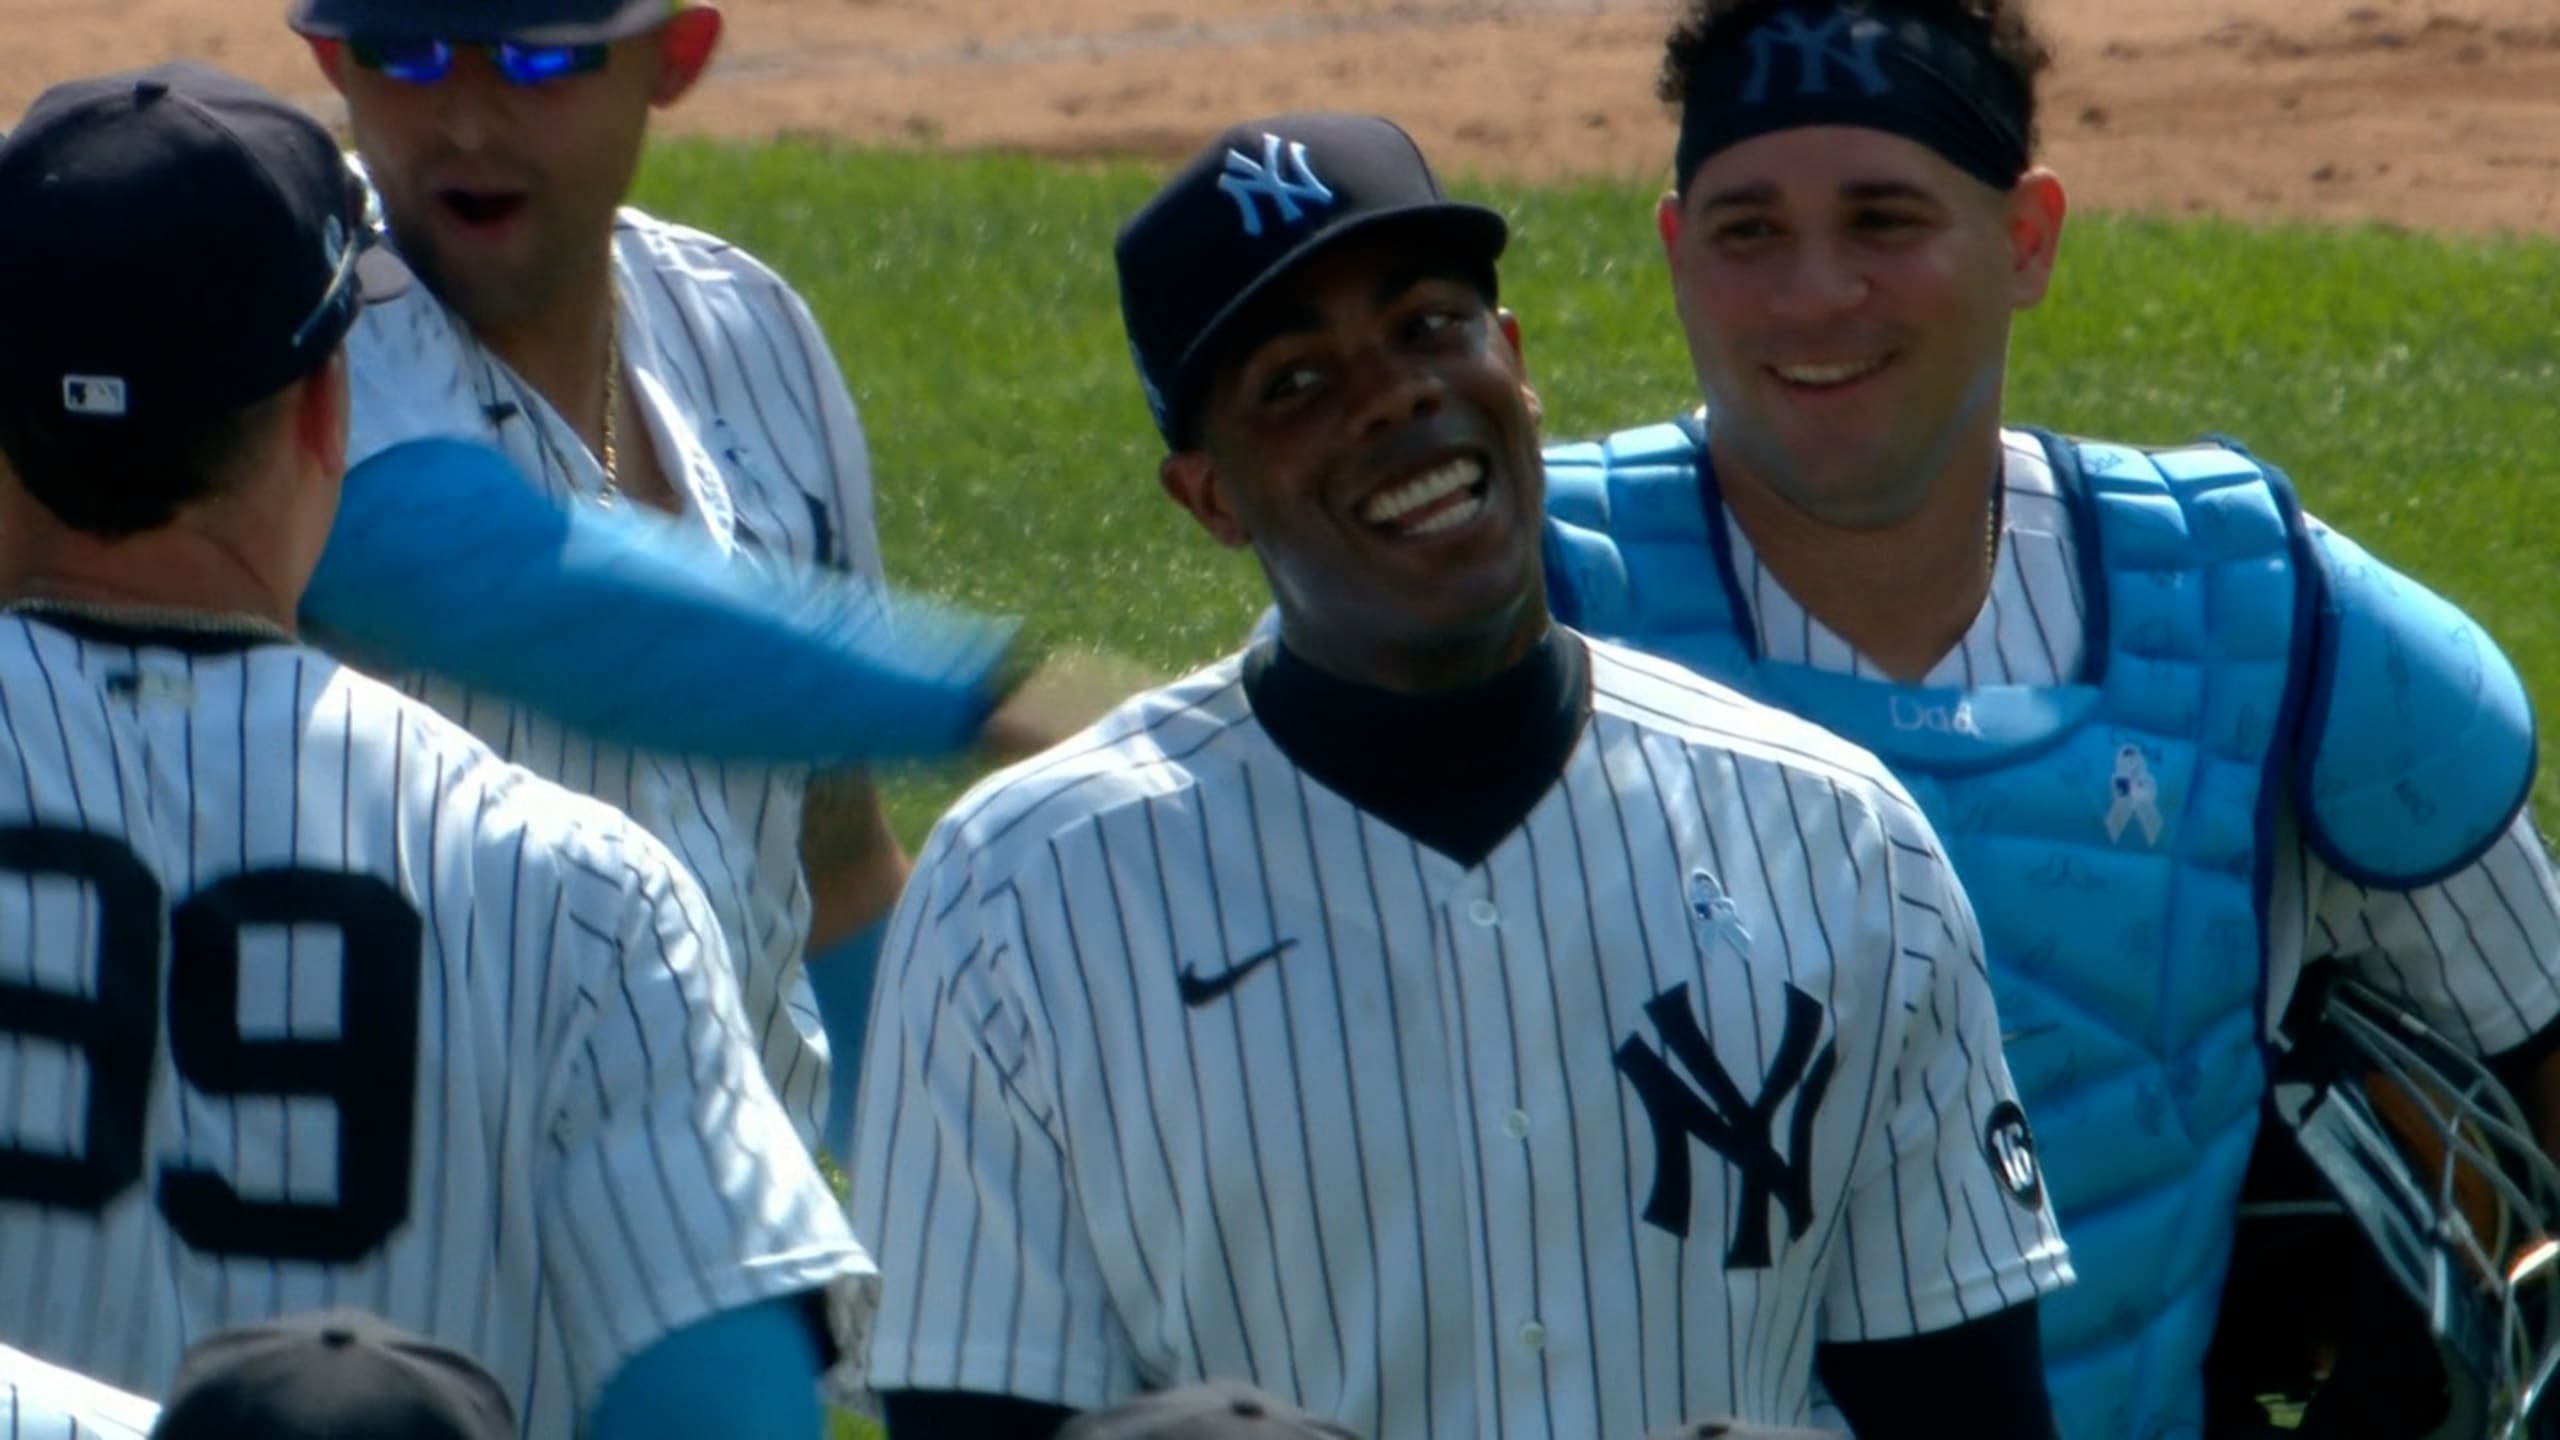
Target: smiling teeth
(1451,518)
(1421,490)
(1828,374)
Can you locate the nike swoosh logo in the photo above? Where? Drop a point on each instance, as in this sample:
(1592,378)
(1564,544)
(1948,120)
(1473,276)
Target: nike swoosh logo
(1198,991)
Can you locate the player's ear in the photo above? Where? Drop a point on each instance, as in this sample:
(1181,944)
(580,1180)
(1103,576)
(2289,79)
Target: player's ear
(1666,222)
(1192,478)
(321,412)
(685,46)
(1510,323)
(2035,208)
(331,56)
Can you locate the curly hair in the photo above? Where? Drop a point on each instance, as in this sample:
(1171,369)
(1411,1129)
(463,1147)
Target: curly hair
(1708,27)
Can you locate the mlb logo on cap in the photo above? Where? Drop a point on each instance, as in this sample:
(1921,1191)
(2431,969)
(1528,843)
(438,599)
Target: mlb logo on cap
(178,243)
(99,395)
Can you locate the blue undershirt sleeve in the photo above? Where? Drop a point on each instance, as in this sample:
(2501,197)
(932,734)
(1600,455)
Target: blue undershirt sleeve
(632,627)
(748,1374)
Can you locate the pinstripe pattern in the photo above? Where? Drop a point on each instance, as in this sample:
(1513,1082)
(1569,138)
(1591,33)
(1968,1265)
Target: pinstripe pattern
(43,1402)
(757,433)
(1401,1179)
(596,1159)
(2477,956)
(2030,631)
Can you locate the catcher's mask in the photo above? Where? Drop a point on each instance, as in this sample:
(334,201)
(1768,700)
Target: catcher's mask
(2397,1275)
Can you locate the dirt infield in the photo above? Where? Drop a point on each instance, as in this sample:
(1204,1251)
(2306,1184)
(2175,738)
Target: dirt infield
(2441,114)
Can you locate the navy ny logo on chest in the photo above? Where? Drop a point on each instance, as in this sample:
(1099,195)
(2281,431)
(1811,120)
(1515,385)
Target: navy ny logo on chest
(1710,1108)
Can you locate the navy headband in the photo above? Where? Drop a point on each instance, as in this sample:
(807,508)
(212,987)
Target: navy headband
(1823,62)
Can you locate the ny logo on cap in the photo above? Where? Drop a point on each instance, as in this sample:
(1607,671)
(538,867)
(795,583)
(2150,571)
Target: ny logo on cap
(1282,177)
(101,395)
(1846,39)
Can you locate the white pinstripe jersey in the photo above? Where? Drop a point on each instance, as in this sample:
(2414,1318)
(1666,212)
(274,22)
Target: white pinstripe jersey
(307,1000)
(45,1402)
(2477,956)
(757,434)
(1182,1067)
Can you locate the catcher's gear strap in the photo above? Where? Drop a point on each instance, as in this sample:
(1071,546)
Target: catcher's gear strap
(634,628)
(1983,1379)
(1615,504)
(2418,746)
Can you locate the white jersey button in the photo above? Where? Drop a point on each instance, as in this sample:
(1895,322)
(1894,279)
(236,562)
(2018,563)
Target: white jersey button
(1533,1336)
(1516,1124)
(1483,913)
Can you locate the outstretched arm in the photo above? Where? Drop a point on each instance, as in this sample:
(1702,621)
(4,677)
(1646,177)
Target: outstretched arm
(635,629)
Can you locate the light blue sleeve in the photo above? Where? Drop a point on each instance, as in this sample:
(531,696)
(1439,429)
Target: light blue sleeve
(841,980)
(748,1374)
(633,628)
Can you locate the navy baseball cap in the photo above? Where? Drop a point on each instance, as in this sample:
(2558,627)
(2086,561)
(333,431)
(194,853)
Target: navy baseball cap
(177,244)
(1259,201)
(1217,1410)
(343,1375)
(541,22)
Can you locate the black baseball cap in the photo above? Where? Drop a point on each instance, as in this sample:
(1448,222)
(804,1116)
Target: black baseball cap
(175,244)
(343,1375)
(546,22)
(1260,200)
(1217,1410)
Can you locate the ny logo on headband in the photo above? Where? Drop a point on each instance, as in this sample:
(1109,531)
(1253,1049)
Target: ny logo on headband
(1282,177)
(1844,39)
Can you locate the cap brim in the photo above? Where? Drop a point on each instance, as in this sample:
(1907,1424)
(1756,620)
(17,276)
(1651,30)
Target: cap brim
(331,20)
(1482,230)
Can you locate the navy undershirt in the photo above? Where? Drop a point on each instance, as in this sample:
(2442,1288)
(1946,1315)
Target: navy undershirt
(1459,770)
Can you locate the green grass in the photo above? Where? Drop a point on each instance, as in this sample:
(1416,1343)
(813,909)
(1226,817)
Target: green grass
(2406,382)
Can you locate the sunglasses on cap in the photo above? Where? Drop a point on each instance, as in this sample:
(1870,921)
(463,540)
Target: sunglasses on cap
(424,62)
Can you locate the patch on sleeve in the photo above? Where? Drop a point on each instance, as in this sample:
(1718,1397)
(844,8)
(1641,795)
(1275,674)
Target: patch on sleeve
(2011,1148)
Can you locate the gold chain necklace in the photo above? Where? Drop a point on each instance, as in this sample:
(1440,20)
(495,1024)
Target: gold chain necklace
(612,396)
(1991,532)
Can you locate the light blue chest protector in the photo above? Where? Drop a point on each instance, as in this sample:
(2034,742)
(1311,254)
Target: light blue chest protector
(2114,832)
